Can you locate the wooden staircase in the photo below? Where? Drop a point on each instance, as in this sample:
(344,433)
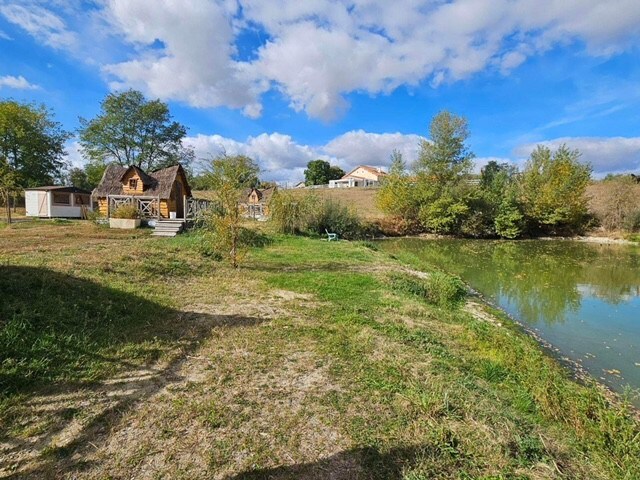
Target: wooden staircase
(168,228)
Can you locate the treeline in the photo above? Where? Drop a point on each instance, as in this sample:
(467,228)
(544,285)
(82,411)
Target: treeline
(439,194)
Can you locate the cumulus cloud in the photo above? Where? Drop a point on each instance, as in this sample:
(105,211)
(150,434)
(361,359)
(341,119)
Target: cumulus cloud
(606,155)
(282,158)
(17,83)
(363,148)
(316,52)
(193,63)
(41,23)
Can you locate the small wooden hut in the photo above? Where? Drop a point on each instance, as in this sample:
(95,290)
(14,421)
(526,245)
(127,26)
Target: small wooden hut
(160,194)
(255,202)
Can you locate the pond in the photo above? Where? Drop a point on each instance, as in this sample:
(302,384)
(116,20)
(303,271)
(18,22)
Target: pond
(583,298)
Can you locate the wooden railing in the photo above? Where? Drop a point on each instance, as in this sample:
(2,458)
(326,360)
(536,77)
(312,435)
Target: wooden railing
(194,208)
(148,207)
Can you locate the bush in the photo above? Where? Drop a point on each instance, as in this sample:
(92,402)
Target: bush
(509,221)
(336,218)
(126,211)
(96,217)
(438,288)
(294,215)
(632,222)
(290,214)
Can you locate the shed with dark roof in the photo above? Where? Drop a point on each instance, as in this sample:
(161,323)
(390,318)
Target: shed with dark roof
(168,186)
(54,201)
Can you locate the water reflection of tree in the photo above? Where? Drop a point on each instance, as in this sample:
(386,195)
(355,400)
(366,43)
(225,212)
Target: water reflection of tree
(543,280)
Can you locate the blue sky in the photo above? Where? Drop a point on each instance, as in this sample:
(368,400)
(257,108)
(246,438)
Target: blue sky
(349,81)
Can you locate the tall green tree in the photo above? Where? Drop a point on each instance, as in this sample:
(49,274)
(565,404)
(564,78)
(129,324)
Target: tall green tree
(554,189)
(31,143)
(320,172)
(446,158)
(78,178)
(131,130)
(228,177)
(443,163)
(8,185)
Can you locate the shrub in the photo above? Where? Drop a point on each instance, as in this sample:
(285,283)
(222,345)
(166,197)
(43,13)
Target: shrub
(438,288)
(96,217)
(309,214)
(290,214)
(509,221)
(334,217)
(126,211)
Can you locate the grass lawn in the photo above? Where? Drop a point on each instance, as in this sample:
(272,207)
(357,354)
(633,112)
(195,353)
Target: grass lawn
(129,356)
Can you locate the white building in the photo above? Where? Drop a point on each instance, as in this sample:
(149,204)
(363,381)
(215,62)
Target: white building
(57,202)
(361,176)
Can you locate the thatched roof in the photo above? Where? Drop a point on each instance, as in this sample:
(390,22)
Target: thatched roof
(264,196)
(156,184)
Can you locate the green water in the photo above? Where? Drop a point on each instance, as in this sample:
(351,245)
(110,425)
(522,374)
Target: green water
(582,298)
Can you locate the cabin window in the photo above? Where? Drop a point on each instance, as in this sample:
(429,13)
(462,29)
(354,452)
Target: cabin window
(61,199)
(133,183)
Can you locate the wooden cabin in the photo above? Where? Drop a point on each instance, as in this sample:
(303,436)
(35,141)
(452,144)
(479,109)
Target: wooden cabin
(159,194)
(255,202)
(57,202)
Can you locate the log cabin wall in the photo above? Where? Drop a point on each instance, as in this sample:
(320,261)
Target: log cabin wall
(132,184)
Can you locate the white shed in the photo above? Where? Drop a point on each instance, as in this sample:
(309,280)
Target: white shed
(57,202)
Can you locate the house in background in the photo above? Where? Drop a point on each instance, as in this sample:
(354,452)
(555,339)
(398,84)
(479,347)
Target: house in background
(160,194)
(57,202)
(361,176)
(255,202)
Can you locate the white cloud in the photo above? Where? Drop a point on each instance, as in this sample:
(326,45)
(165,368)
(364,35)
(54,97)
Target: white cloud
(281,158)
(318,51)
(18,83)
(193,64)
(363,148)
(41,23)
(74,156)
(612,154)
(4,36)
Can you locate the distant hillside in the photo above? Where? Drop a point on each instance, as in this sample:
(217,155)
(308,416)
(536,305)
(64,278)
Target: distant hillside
(362,200)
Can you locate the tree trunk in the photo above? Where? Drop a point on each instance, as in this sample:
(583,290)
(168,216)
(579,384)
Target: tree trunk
(8,207)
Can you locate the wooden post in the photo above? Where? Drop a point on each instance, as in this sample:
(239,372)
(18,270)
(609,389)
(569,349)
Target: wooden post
(158,204)
(108,206)
(184,207)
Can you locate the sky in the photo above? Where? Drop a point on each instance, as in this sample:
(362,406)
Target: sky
(289,81)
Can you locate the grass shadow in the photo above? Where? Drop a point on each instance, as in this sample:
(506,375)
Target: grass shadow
(357,463)
(76,356)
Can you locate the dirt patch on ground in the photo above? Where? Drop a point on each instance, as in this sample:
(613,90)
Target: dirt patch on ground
(223,404)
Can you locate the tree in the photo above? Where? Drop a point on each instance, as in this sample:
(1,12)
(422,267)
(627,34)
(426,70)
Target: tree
(319,172)
(442,165)
(31,143)
(131,130)
(94,171)
(228,177)
(396,196)
(554,189)
(446,158)
(78,178)
(8,185)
